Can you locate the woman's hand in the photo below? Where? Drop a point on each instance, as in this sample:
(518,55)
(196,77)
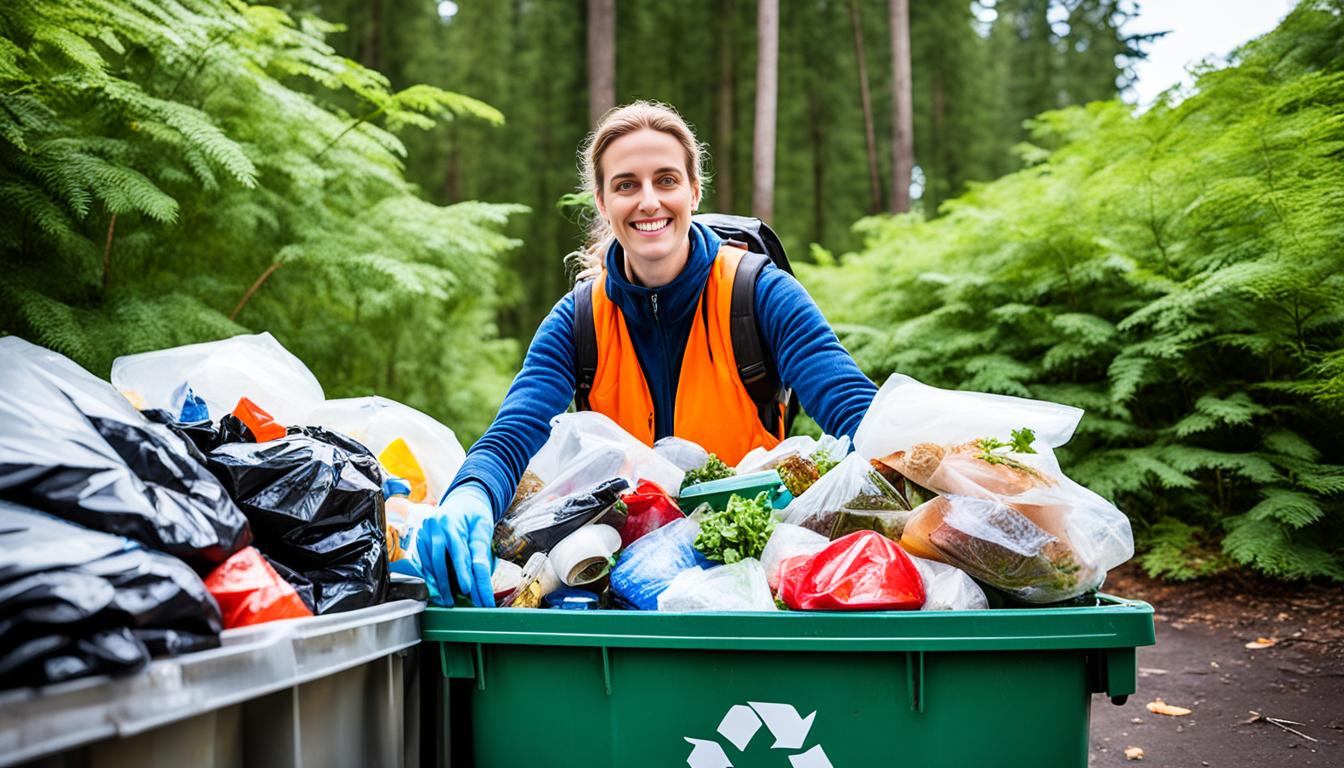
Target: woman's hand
(458,537)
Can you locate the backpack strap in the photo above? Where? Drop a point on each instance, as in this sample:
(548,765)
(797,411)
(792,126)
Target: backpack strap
(585,344)
(761,383)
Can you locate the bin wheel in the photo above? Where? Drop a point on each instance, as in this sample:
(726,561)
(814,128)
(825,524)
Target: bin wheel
(1119,701)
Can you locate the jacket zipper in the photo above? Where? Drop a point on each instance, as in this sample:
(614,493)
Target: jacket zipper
(667,363)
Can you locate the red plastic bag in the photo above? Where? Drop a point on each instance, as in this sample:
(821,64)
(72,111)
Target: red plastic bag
(650,509)
(249,591)
(259,421)
(863,571)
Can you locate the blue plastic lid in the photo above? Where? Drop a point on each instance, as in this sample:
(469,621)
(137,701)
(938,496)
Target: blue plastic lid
(395,486)
(572,599)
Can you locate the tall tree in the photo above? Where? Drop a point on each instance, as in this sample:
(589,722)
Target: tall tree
(767,86)
(724,109)
(601,58)
(874,178)
(902,131)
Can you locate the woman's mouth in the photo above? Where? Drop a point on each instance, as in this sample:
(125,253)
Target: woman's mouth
(650,227)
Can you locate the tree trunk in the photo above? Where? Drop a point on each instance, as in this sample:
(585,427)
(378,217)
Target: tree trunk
(601,58)
(373,51)
(874,177)
(767,85)
(723,130)
(902,133)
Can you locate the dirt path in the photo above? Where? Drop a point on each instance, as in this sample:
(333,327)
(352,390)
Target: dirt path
(1201,662)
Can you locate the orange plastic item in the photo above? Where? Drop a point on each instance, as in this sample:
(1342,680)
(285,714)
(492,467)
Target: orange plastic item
(259,421)
(249,591)
(864,571)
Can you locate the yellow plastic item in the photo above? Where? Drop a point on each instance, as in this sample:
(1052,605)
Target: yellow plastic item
(399,461)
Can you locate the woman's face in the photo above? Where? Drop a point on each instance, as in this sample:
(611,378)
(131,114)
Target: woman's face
(648,196)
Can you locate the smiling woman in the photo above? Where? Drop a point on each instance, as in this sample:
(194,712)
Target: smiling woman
(656,298)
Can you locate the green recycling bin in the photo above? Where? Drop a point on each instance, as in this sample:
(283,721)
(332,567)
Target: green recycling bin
(1005,687)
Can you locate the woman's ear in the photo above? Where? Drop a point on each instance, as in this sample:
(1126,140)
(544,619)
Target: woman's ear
(695,195)
(601,207)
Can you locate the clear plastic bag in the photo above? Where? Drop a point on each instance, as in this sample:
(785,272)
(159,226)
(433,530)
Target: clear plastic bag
(575,434)
(852,496)
(378,423)
(761,459)
(644,570)
(1046,545)
(685,454)
(221,372)
(905,412)
(739,586)
(948,588)
(788,546)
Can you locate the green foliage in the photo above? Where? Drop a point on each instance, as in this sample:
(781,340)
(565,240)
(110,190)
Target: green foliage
(713,469)
(191,169)
(1177,274)
(740,530)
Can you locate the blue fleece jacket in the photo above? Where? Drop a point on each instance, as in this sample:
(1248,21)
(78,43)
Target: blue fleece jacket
(802,346)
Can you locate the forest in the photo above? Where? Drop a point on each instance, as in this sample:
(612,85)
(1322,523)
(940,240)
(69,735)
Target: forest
(387,186)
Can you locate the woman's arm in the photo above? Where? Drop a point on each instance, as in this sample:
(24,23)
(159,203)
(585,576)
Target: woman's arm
(808,356)
(541,390)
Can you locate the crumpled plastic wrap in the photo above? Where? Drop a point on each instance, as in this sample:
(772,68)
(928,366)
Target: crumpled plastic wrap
(543,521)
(575,434)
(761,459)
(644,570)
(739,586)
(948,588)
(789,546)
(864,571)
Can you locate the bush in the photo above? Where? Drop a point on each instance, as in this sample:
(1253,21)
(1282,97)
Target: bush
(1178,274)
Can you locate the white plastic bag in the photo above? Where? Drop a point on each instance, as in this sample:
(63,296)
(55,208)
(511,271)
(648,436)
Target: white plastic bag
(683,453)
(788,546)
(948,588)
(574,434)
(906,412)
(761,459)
(220,372)
(377,421)
(740,586)
(851,497)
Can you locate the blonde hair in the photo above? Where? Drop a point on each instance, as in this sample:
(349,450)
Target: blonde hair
(618,122)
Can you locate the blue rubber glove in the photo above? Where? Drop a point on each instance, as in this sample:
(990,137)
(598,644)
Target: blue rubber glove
(459,538)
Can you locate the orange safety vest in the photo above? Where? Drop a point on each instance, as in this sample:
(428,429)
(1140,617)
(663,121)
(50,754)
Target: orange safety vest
(713,408)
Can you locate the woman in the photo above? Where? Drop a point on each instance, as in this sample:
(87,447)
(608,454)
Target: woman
(658,373)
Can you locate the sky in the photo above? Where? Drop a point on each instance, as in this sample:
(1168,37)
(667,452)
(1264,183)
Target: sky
(1199,28)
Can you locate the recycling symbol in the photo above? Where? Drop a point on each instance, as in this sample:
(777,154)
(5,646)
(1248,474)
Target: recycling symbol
(741,724)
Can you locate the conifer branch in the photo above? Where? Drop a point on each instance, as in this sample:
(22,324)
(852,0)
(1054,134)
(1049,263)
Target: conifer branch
(252,289)
(107,252)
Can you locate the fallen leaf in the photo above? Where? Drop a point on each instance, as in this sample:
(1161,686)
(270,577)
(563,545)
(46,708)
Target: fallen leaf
(1160,707)
(1133,753)
(1261,642)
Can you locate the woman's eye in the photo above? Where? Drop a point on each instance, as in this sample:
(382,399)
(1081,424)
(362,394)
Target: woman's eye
(668,181)
(625,186)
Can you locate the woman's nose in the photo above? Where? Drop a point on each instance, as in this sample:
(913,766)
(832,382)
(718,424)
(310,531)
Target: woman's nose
(648,201)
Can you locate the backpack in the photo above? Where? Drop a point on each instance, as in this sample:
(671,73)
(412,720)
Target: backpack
(760,379)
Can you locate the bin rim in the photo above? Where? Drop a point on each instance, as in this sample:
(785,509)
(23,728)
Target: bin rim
(1114,623)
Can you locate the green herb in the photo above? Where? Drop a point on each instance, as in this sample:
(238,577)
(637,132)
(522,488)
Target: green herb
(821,458)
(738,531)
(995,451)
(713,469)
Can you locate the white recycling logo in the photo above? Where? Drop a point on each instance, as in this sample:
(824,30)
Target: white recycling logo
(741,724)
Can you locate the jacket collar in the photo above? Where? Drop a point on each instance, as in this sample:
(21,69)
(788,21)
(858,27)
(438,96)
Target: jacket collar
(676,300)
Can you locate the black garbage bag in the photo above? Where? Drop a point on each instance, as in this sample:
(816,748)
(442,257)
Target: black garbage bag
(72,446)
(315,501)
(77,602)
